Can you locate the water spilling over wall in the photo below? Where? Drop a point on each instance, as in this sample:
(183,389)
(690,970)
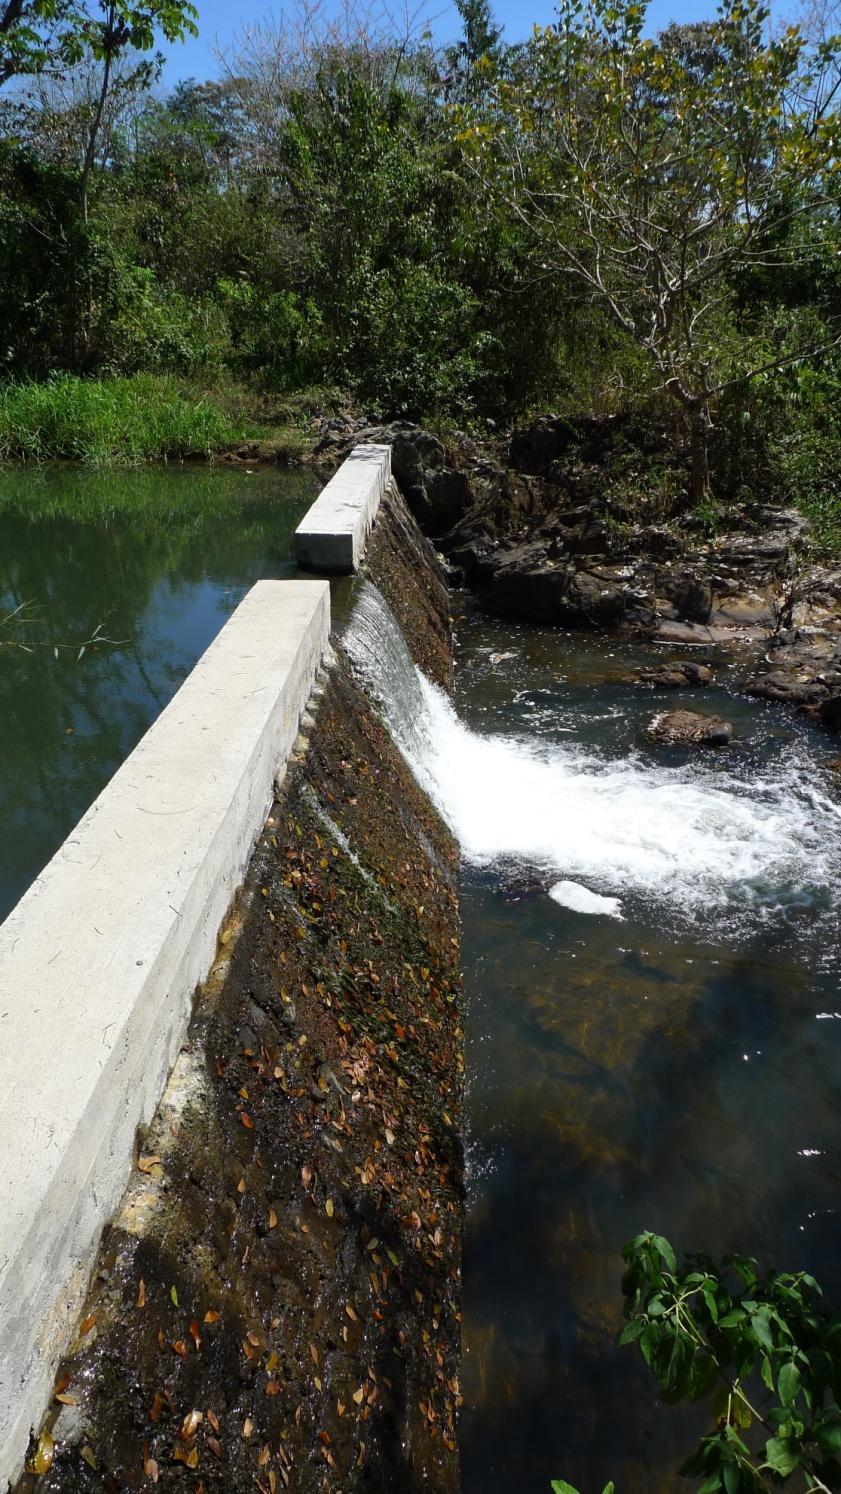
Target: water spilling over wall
(703,838)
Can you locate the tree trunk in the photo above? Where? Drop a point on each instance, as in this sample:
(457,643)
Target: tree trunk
(699,440)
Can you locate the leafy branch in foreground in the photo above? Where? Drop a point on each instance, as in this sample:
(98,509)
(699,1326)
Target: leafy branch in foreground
(761,1348)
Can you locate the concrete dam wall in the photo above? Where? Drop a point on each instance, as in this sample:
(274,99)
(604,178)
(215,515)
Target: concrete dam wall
(274,1302)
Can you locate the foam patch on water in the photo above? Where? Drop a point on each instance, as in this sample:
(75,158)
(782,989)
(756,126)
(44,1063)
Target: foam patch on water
(581,900)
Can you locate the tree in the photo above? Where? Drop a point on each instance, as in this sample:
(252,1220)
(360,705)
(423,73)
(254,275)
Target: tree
(39,36)
(656,172)
(480,44)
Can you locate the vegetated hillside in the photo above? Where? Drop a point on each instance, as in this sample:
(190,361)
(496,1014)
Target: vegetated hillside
(423,228)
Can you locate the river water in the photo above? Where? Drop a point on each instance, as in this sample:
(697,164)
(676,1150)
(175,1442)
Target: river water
(112,584)
(653,1021)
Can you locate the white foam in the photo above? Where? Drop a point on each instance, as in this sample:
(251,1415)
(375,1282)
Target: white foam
(698,837)
(689,834)
(581,900)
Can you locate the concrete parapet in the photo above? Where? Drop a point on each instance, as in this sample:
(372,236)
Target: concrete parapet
(100,959)
(333,534)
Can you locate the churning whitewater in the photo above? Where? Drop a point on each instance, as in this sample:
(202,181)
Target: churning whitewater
(606,829)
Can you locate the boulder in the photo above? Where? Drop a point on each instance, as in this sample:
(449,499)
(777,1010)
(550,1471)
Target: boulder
(786,687)
(438,493)
(692,598)
(676,676)
(533,448)
(690,729)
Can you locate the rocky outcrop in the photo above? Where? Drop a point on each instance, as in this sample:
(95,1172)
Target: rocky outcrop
(689,729)
(555,528)
(436,490)
(803,665)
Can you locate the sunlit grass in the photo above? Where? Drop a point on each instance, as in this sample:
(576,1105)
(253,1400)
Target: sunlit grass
(114,420)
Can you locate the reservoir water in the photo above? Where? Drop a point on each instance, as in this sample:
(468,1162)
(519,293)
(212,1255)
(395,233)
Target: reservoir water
(112,584)
(653,1020)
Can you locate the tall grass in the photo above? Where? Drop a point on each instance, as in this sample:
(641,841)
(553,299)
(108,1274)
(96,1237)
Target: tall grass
(110,420)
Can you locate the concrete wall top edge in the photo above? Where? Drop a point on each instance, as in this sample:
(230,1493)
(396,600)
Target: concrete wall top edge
(332,534)
(78,949)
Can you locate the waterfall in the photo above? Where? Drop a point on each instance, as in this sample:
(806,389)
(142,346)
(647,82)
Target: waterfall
(697,838)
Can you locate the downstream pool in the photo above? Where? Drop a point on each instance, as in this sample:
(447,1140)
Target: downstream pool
(112,584)
(670,1060)
(653,1020)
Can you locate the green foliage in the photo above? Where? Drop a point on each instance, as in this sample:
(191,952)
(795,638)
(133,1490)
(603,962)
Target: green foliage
(107,420)
(559,1486)
(427,230)
(51,35)
(655,172)
(760,1350)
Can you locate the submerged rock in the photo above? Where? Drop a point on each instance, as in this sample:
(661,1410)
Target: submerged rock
(690,729)
(676,676)
(831,713)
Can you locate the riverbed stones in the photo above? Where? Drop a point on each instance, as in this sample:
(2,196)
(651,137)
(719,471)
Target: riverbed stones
(690,729)
(679,675)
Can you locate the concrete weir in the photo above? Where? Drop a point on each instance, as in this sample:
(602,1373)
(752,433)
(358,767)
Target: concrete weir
(333,534)
(100,960)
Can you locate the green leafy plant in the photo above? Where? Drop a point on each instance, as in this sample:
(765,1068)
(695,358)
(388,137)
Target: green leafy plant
(761,1349)
(559,1486)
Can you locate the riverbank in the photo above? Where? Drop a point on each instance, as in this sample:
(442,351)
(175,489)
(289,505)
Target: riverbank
(126,421)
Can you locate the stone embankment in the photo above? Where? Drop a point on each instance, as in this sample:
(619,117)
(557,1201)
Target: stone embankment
(275,1304)
(546,532)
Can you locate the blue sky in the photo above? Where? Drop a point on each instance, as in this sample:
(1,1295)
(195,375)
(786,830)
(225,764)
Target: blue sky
(219,21)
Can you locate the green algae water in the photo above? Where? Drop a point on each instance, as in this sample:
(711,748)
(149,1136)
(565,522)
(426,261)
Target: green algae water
(112,584)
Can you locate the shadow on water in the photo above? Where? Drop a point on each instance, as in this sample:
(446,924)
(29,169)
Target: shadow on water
(156,559)
(680,1072)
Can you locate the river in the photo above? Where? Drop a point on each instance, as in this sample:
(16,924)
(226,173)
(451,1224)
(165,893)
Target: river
(112,585)
(653,1021)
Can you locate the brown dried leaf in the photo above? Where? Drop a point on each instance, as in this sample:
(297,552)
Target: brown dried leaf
(148,1164)
(141,1293)
(214,1420)
(189,1456)
(86,1325)
(190,1425)
(212,1317)
(42,1458)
